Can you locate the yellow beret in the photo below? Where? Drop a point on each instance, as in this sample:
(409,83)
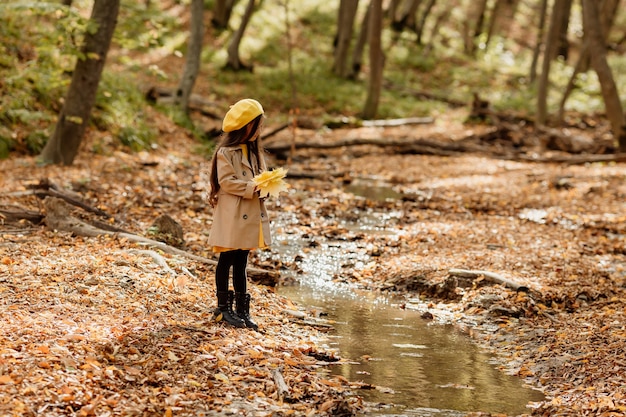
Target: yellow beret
(241,113)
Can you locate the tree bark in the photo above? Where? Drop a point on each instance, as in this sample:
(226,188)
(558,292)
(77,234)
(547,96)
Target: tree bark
(543,8)
(194,52)
(405,18)
(377,60)
(63,146)
(357,53)
(222,12)
(607,19)
(345,24)
(502,17)
(562,43)
(419,30)
(597,49)
(476,15)
(234,62)
(551,44)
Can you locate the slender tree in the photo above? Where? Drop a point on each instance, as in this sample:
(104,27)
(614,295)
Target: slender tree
(502,16)
(194,52)
(607,19)
(551,44)
(543,8)
(357,52)
(377,60)
(63,146)
(597,50)
(419,30)
(345,24)
(234,62)
(222,11)
(476,15)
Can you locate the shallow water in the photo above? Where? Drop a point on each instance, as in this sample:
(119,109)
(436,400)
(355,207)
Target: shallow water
(423,368)
(428,369)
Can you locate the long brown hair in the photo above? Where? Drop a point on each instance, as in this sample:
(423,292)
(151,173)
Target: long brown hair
(235,138)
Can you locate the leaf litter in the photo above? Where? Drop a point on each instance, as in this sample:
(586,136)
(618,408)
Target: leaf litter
(104,326)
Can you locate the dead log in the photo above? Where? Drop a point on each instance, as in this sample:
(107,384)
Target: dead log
(197,103)
(404,145)
(58,217)
(347,122)
(47,189)
(491,276)
(422,95)
(15,215)
(397,122)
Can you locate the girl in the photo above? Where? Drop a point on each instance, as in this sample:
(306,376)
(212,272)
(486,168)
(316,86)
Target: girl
(240,221)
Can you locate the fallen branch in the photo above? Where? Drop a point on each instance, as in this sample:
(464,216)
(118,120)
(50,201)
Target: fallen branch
(59,218)
(281,386)
(47,189)
(491,276)
(577,159)
(12,216)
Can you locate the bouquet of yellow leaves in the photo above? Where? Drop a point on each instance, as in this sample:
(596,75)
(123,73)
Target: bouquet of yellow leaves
(271,183)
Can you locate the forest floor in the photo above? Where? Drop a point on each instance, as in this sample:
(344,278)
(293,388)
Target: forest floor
(104,326)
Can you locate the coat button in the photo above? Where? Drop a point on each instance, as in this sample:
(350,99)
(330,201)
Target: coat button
(244,173)
(262,215)
(245,216)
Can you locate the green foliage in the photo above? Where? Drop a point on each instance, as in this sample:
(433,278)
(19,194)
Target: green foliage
(40,42)
(120,110)
(36,140)
(6,144)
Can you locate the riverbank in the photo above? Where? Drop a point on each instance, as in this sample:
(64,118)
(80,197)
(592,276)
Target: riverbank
(555,229)
(99,325)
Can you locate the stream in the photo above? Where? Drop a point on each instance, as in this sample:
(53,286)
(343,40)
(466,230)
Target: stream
(420,367)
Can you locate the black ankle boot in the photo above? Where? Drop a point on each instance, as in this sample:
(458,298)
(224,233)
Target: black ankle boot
(243,309)
(224,310)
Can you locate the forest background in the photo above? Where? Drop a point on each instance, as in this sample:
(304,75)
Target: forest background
(441,89)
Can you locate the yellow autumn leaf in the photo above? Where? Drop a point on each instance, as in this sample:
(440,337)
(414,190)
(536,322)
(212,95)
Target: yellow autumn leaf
(271,183)
(221,377)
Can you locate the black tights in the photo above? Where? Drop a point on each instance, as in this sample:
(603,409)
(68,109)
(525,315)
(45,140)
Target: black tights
(238,259)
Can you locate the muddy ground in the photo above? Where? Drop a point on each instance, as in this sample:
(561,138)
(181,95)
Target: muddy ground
(104,326)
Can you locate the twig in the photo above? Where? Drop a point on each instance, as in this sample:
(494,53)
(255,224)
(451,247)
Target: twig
(281,386)
(492,276)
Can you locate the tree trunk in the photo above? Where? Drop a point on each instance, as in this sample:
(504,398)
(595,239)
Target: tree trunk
(194,52)
(562,47)
(607,19)
(221,13)
(502,18)
(597,49)
(63,146)
(419,30)
(475,15)
(551,44)
(345,24)
(377,60)
(543,8)
(406,17)
(234,62)
(357,53)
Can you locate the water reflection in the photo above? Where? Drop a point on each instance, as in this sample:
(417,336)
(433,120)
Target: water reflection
(431,369)
(428,369)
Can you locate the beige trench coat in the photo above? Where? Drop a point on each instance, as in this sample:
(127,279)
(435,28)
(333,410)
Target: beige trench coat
(239,211)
